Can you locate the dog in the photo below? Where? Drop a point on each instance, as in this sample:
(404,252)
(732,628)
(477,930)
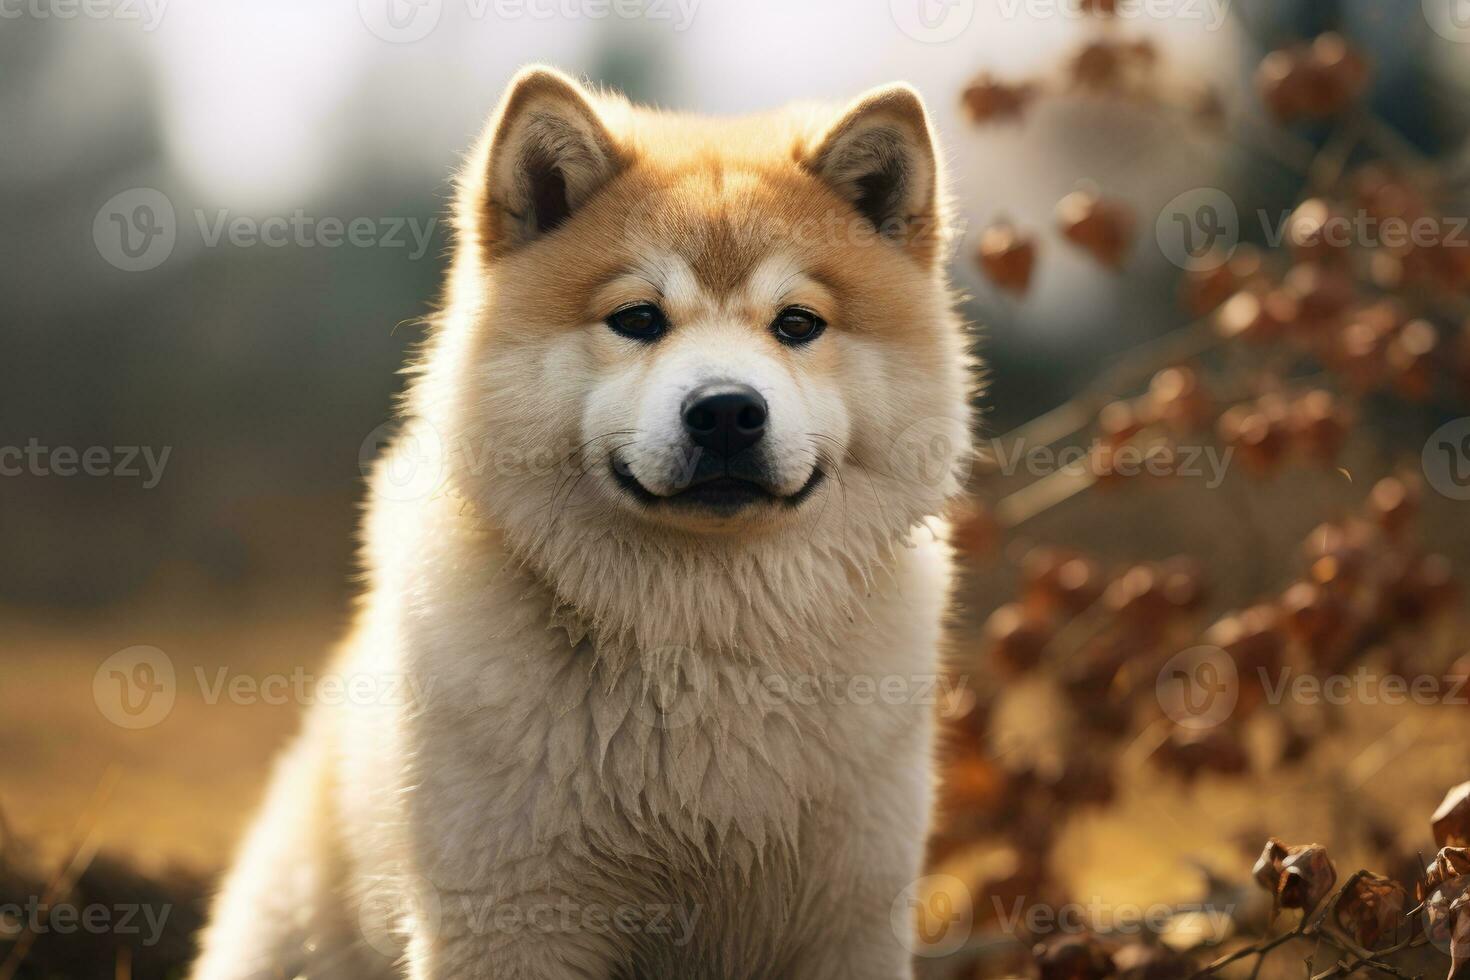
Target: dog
(655,571)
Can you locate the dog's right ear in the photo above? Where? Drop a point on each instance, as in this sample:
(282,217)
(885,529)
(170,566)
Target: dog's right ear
(546,151)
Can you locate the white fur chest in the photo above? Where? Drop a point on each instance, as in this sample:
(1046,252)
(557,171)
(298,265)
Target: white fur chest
(712,757)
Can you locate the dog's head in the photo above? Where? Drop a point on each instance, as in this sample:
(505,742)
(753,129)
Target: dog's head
(703,332)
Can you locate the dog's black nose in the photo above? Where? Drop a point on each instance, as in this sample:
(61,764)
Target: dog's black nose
(725,417)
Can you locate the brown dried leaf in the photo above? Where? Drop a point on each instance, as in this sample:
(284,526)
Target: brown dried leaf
(1075,956)
(1299,876)
(1373,908)
(1451,822)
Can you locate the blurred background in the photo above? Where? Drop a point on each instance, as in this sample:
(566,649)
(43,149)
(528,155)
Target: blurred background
(223,221)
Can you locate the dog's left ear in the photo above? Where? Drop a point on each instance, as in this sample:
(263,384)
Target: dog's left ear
(880,157)
(547,150)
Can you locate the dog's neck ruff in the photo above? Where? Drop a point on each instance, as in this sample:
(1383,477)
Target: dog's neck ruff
(771,599)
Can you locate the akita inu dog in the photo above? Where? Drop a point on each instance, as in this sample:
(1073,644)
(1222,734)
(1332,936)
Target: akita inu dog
(638,685)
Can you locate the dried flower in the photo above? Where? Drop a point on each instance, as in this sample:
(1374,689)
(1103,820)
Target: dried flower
(1449,864)
(987,99)
(1410,356)
(1007,257)
(1178,398)
(1314,617)
(972,782)
(1312,81)
(1059,581)
(1073,956)
(1015,638)
(1372,909)
(1384,194)
(1098,65)
(1393,503)
(1256,315)
(1102,227)
(1451,822)
(1189,752)
(1445,892)
(1338,553)
(973,529)
(1216,279)
(1299,876)
(1321,292)
(1422,586)
(1316,231)
(1318,425)
(1259,431)
(1138,961)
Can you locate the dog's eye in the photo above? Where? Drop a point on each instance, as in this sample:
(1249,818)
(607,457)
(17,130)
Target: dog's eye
(643,321)
(795,325)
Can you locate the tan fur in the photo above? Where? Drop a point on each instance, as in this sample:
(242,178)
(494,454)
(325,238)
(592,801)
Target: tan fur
(581,727)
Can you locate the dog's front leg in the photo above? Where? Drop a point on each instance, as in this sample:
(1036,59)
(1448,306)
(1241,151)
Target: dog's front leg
(486,937)
(866,877)
(869,944)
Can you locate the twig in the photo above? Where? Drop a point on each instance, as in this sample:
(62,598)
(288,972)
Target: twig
(1257,949)
(67,873)
(1348,957)
(1131,368)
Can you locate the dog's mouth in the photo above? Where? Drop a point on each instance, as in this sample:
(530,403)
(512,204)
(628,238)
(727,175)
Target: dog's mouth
(720,493)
